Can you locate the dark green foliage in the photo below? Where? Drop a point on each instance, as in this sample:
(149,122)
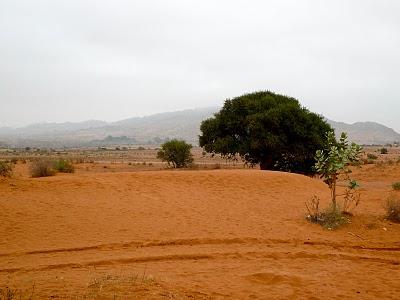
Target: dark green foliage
(372,156)
(42,168)
(5,169)
(63,166)
(176,153)
(264,128)
(384,151)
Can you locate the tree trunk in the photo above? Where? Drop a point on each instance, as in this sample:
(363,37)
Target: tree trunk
(267,164)
(334,193)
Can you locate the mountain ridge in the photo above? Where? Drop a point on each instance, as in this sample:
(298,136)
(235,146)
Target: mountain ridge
(183,124)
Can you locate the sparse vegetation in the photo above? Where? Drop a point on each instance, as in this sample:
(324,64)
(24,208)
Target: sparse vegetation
(372,156)
(7,293)
(333,217)
(330,218)
(332,163)
(392,207)
(396,186)
(5,169)
(63,166)
(176,153)
(42,168)
(384,151)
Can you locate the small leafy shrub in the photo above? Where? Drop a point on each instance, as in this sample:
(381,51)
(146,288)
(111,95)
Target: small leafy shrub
(14,160)
(5,169)
(372,156)
(392,207)
(331,164)
(176,153)
(384,151)
(334,162)
(396,186)
(63,166)
(42,168)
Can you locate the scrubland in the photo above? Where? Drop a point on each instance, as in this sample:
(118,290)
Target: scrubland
(123,226)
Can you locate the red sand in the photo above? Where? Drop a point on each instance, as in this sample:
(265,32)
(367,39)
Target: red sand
(233,234)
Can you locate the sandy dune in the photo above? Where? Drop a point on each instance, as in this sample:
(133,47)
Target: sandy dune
(234,234)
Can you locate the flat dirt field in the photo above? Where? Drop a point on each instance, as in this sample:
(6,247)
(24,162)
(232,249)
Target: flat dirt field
(200,234)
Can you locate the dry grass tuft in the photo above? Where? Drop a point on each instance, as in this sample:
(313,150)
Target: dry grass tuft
(396,186)
(5,169)
(392,207)
(42,168)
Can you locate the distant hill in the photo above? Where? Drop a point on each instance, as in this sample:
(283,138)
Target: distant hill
(367,133)
(155,129)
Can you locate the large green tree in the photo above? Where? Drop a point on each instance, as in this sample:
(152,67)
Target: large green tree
(265,128)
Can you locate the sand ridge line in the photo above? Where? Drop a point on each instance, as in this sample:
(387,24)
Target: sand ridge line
(194,242)
(285,254)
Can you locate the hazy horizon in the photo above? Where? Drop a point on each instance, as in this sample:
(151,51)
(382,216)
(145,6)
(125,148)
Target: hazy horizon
(71,61)
(150,115)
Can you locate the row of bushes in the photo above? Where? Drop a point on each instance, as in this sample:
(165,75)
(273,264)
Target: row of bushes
(46,167)
(40,167)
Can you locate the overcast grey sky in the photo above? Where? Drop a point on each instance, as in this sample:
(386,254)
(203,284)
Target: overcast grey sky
(73,60)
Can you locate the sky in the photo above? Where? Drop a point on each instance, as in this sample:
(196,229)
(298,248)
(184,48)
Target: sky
(75,60)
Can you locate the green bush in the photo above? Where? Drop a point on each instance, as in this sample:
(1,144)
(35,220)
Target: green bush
(384,151)
(176,153)
(396,186)
(5,169)
(392,207)
(63,166)
(42,168)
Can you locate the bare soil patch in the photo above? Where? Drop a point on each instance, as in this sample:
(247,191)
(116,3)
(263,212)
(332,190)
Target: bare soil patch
(234,234)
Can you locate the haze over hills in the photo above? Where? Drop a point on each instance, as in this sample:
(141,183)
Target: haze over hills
(155,129)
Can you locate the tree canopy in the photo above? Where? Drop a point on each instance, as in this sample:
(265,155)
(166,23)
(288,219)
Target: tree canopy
(265,128)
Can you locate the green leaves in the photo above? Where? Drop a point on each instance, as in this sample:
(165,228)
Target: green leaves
(338,156)
(266,128)
(176,153)
(335,161)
